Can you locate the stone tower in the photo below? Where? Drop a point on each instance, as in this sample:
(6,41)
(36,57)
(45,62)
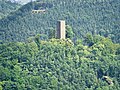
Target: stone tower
(61,29)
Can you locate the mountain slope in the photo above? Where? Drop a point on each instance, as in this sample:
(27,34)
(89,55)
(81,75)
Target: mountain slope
(6,7)
(85,16)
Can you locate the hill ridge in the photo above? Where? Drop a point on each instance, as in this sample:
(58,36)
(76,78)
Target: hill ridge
(84,16)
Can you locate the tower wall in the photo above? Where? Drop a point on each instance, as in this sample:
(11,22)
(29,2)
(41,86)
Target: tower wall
(61,29)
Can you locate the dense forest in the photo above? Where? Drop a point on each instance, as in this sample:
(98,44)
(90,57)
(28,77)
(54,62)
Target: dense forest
(32,58)
(60,64)
(7,7)
(84,16)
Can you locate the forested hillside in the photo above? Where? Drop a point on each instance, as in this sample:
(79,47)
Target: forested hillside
(6,7)
(60,65)
(85,16)
(31,58)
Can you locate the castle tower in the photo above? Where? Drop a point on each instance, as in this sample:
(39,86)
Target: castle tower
(61,29)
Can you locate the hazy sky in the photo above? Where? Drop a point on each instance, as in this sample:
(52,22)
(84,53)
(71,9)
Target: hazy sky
(23,1)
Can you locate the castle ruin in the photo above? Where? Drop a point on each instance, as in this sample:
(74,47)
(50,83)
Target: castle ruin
(61,29)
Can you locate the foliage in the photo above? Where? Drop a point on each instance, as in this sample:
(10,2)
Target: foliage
(69,32)
(59,64)
(7,7)
(84,16)
(41,62)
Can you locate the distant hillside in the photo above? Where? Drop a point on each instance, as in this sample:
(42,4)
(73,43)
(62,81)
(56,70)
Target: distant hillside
(85,16)
(6,7)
